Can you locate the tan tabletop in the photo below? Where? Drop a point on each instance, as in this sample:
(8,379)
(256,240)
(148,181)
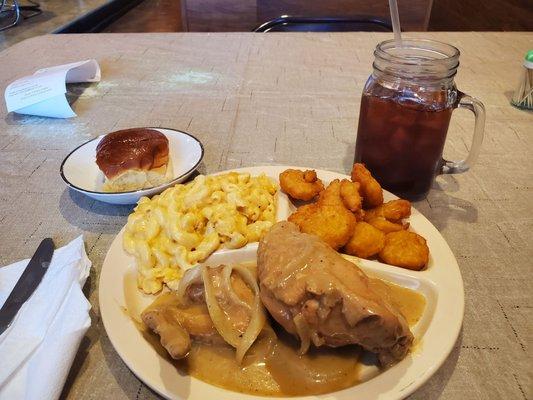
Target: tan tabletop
(283,99)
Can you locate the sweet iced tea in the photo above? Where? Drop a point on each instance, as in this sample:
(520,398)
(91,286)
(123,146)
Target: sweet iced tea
(405,111)
(401,140)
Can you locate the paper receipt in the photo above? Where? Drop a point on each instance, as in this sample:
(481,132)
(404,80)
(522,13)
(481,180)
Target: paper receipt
(43,93)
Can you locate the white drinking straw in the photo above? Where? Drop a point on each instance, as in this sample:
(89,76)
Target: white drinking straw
(395,18)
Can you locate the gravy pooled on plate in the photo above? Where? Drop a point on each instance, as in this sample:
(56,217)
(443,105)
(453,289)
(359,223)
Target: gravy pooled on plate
(273,366)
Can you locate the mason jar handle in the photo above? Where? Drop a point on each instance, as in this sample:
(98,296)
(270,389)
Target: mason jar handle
(477,107)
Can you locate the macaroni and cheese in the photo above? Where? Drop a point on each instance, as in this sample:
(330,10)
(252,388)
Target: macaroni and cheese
(185,224)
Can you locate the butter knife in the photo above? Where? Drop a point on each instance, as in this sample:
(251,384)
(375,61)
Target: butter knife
(27,283)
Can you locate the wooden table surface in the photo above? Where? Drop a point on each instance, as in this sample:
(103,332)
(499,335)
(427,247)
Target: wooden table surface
(282,99)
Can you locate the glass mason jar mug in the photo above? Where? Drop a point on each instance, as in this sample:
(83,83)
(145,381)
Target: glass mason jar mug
(406,108)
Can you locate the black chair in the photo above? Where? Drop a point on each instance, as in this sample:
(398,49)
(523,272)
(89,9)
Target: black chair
(287,23)
(10,12)
(30,10)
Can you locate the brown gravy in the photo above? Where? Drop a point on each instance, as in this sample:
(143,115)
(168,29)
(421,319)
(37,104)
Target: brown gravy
(273,367)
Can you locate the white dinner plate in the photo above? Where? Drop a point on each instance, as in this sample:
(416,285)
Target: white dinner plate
(435,333)
(80,171)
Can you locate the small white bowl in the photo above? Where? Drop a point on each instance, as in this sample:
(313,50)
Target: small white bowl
(80,171)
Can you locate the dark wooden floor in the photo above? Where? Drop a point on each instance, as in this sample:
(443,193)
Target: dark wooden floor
(150,16)
(476,15)
(244,15)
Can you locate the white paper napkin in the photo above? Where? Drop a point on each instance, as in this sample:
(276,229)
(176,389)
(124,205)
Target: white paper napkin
(43,93)
(37,349)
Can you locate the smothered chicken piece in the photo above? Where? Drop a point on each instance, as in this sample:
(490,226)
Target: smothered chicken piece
(178,320)
(177,323)
(320,297)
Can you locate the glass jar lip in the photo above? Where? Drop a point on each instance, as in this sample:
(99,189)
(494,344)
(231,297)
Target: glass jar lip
(448,54)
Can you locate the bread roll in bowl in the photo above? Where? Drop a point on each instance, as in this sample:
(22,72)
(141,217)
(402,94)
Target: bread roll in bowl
(133,159)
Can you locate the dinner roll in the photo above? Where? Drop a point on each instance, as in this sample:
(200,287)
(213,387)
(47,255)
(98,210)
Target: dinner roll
(133,159)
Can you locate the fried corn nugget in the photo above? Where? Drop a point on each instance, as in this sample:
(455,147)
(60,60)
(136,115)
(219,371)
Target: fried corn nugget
(331,196)
(333,224)
(386,226)
(370,188)
(393,210)
(349,192)
(405,249)
(366,241)
(343,194)
(310,176)
(300,185)
(303,213)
